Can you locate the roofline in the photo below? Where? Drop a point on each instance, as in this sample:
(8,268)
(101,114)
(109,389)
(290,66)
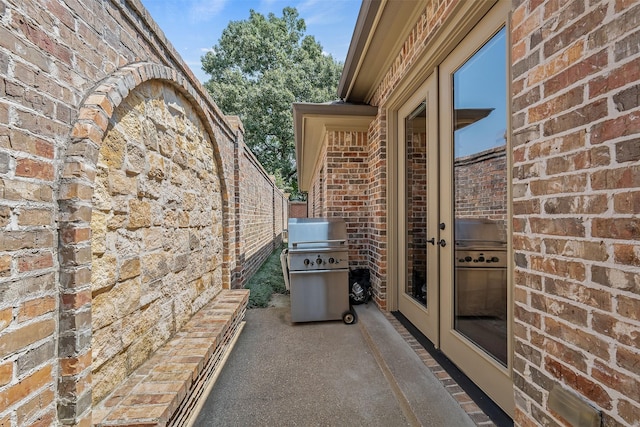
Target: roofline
(364,24)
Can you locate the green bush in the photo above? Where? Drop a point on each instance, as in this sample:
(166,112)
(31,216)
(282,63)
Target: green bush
(266,281)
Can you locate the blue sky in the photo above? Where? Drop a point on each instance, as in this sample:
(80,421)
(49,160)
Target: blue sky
(194,26)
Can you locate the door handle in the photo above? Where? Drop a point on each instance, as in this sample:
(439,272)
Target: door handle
(432,241)
(442,243)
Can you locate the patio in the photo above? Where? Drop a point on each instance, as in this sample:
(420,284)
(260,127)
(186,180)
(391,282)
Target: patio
(372,373)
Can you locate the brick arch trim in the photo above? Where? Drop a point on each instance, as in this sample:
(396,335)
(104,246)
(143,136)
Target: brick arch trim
(74,197)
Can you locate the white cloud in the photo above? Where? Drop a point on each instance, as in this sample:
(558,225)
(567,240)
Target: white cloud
(202,10)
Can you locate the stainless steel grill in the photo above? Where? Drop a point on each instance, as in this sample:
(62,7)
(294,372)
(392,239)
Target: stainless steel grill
(317,261)
(481,268)
(480,243)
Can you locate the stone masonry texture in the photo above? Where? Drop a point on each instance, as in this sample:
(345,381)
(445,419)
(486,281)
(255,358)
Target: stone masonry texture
(120,202)
(150,222)
(574,197)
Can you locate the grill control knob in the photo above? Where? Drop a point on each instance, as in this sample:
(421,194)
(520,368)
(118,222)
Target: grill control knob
(306,261)
(467,258)
(495,259)
(331,260)
(319,261)
(480,259)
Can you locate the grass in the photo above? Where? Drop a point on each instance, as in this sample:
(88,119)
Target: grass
(267,281)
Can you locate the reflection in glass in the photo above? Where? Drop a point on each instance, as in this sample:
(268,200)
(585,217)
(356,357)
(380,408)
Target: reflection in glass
(416,197)
(480,207)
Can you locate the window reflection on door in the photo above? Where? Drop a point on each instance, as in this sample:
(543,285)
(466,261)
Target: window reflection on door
(480,198)
(416,199)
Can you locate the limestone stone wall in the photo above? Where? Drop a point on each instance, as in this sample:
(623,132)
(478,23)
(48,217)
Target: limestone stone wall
(119,201)
(157,230)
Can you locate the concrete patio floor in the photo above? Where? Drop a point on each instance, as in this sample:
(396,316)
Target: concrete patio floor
(330,374)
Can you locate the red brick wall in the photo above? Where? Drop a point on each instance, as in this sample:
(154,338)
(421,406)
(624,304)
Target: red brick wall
(341,189)
(349,182)
(377,207)
(481,185)
(576,127)
(575,192)
(347,186)
(260,213)
(298,209)
(64,68)
(417,196)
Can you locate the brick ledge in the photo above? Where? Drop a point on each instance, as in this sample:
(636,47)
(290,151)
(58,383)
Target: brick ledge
(165,388)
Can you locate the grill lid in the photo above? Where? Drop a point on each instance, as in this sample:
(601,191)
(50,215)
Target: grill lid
(316,232)
(472,232)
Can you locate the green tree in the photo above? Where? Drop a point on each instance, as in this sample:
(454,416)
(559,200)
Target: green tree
(258,69)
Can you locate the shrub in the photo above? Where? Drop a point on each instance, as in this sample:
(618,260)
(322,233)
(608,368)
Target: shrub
(266,281)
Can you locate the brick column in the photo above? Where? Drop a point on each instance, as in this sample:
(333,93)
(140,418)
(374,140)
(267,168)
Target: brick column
(74,252)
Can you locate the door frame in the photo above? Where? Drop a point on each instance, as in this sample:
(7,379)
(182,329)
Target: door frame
(414,311)
(455,346)
(454,28)
(469,18)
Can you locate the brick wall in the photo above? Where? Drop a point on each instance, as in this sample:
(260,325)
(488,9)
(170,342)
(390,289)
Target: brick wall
(431,20)
(298,209)
(260,228)
(71,73)
(378,207)
(575,161)
(576,67)
(347,186)
(481,185)
(340,189)
(417,191)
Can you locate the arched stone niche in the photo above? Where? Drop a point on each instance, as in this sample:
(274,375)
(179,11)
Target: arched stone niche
(141,226)
(157,230)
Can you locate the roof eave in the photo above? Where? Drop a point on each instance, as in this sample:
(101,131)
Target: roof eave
(310,124)
(382,27)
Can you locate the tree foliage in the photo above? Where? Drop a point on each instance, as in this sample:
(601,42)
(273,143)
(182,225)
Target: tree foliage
(259,67)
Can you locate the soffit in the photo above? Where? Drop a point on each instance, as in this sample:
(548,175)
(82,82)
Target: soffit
(311,124)
(381,29)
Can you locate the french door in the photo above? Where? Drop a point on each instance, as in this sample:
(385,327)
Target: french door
(454,210)
(418,297)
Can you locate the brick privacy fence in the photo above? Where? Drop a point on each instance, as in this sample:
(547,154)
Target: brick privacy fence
(297,209)
(111,155)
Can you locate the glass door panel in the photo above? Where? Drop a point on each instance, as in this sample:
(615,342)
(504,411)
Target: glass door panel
(474,199)
(480,198)
(417,190)
(416,203)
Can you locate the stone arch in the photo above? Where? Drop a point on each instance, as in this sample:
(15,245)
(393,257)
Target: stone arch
(75,193)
